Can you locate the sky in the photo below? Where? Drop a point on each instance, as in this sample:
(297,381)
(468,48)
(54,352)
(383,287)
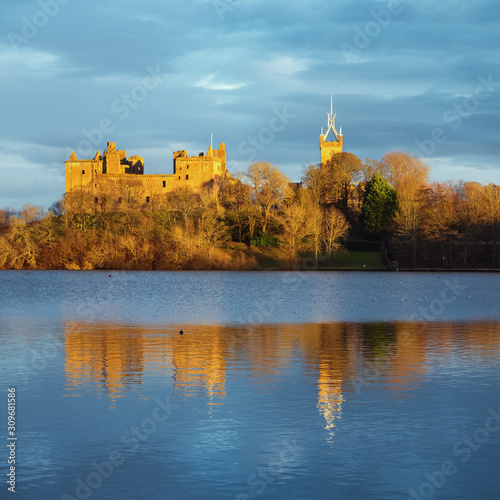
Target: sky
(417,76)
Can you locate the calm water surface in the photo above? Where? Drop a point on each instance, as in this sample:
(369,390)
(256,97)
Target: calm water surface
(283,386)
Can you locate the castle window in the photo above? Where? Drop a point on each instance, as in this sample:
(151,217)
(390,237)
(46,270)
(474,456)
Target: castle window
(187,176)
(83,172)
(147,199)
(96,200)
(164,184)
(179,177)
(187,166)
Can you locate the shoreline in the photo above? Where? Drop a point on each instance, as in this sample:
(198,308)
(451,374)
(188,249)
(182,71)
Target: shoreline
(273,269)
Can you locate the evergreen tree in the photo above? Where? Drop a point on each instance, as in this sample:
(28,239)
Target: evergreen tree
(379,206)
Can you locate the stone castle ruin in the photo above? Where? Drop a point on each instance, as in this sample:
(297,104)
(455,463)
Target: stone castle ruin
(190,172)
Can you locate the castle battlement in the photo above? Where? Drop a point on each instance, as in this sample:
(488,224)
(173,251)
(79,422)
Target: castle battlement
(85,161)
(144,176)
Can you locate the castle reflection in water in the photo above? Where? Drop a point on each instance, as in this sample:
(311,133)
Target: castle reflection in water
(339,359)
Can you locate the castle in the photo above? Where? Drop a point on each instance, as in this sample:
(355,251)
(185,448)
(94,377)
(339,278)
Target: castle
(94,176)
(328,148)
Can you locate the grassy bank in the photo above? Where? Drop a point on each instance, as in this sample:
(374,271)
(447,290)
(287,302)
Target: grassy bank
(276,258)
(356,261)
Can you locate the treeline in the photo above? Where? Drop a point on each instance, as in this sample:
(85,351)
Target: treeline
(178,230)
(418,223)
(422,224)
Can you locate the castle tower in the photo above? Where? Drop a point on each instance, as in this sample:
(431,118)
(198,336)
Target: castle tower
(328,148)
(202,168)
(81,174)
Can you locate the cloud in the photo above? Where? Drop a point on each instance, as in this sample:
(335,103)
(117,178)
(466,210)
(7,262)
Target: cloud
(33,63)
(209,84)
(284,65)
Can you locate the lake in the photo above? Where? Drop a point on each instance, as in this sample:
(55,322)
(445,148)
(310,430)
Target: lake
(283,385)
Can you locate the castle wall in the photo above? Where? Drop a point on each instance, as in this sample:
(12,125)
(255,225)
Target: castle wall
(197,171)
(81,173)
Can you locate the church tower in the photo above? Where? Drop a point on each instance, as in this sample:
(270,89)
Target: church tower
(328,148)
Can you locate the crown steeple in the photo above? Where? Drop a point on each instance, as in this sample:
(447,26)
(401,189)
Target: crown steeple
(331,122)
(328,148)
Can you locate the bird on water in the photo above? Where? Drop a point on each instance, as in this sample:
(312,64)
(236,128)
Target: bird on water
(181,332)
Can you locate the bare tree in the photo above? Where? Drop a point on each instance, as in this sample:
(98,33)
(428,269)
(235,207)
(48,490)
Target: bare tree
(270,187)
(315,227)
(372,167)
(409,176)
(313,180)
(341,174)
(30,213)
(293,222)
(336,228)
(132,195)
(302,222)
(406,172)
(4,218)
(252,216)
